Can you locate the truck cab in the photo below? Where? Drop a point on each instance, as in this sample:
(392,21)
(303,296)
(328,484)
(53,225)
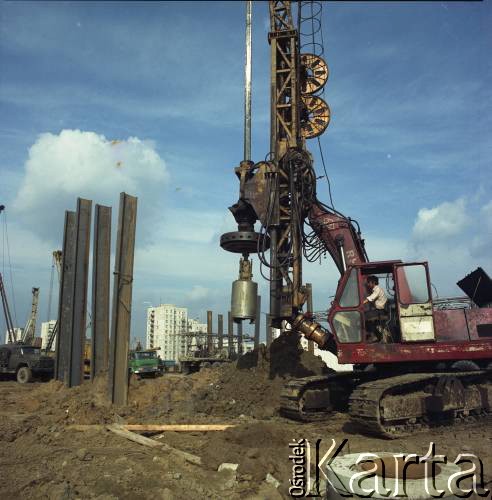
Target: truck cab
(25,362)
(144,363)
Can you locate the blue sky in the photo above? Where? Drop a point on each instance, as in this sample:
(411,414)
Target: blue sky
(408,149)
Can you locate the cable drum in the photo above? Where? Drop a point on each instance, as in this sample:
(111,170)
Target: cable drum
(315,116)
(314,73)
(348,478)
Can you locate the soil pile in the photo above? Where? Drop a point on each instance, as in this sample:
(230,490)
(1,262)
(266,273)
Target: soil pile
(252,385)
(84,404)
(258,447)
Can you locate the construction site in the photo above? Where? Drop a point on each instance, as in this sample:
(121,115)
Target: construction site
(371,385)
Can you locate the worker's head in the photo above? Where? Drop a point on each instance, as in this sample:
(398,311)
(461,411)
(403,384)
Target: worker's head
(372,281)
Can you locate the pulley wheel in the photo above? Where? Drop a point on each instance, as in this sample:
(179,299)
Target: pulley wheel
(315,116)
(315,72)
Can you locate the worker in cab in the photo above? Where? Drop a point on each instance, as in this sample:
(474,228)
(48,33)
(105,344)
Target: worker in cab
(377,309)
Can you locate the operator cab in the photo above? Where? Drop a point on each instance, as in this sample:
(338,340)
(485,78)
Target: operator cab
(407,314)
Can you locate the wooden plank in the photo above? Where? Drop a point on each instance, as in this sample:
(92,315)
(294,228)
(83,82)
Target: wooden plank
(145,441)
(132,436)
(122,301)
(159,427)
(179,427)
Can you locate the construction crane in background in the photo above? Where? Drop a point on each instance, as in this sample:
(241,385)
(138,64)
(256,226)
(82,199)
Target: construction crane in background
(415,364)
(29,331)
(5,304)
(6,313)
(57,257)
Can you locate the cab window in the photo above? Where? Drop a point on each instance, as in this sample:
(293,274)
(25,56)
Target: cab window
(412,284)
(347,326)
(350,295)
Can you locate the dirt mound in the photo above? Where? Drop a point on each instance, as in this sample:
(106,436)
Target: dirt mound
(252,385)
(84,404)
(253,446)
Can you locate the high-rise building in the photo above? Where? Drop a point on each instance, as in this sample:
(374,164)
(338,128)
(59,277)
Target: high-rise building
(17,334)
(46,331)
(167,326)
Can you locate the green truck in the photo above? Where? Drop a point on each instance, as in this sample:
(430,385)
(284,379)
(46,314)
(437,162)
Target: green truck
(144,363)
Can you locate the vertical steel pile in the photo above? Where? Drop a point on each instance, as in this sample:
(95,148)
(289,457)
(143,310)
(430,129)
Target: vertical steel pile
(79,301)
(63,339)
(209,333)
(268,330)
(230,335)
(257,321)
(220,332)
(122,301)
(309,288)
(240,338)
(100,290)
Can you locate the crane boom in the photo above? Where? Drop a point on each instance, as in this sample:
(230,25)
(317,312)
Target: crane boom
(6,311)
(339,236)
(30,329)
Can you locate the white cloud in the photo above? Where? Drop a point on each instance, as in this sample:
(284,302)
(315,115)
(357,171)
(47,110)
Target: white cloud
(443,221)
(453,240)
(76,163)
(197,293)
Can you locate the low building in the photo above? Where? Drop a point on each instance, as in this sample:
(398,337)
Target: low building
(46,331)
(17,334)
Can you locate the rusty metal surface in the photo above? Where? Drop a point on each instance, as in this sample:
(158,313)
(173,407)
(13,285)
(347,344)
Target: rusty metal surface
(230,335)
(240,338)
(309,311)
(451,325)
(257,322)
(269,336)
(64,321)
(80,282)
(209,332)
(122,301)
(403,353)
(100,289)
(220,331)
(338,235)
(314,73)
(476,317)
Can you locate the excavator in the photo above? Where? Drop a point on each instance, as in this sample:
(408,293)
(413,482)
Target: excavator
(421,362)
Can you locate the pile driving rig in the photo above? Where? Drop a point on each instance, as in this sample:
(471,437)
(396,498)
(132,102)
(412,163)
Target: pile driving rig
(435,365)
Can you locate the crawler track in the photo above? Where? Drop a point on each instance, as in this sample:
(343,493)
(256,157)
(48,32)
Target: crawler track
(394,406)
(313,399)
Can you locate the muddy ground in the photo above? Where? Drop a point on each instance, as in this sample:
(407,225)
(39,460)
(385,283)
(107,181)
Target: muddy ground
(41,457)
